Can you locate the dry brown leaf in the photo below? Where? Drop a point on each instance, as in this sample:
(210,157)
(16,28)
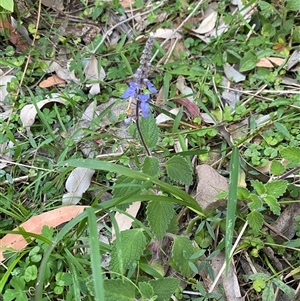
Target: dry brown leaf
(126,3)
(264,62)
(207,24)
(51,218)
(278,61)
(53,80)
(124,222)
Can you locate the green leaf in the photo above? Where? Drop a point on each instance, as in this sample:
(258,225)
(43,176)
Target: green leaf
(255,220)
(149,131)
(281,128)
(151,166)
(248,62)
(291,153)
(258,186)
(30,273)
(121,290)
(14,295)
(179,170)
(266,9)
(272,202)
(159,216)
(124,185)
(276,188)
(7,5)
(293,5)
(164,288)
(256,203)
(268,293)
(130,248)
(182,250)
(231,204)
(146,290)
(283,287)
(259,284)
(276,168)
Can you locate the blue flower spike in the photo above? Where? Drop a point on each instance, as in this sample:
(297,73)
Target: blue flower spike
(141,81)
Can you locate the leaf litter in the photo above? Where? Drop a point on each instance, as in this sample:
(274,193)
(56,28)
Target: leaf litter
(246,130)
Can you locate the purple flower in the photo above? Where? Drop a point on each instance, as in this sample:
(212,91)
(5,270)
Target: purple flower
(151,87)
(130,91)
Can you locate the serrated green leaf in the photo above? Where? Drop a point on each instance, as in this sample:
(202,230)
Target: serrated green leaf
(243,193)
(149,131)
(116,289)
(293,5)
(248,62)
(291,153)
(273,204)
(182,250)
(256,203)
(151,166)
(268,293)
(258,186)
(276,168)
(129,250)
(179,170)
(164,288)
(146,290)
(159,215)
(7,5)
(124,185)
(283,287)
(276,188)
(255,220)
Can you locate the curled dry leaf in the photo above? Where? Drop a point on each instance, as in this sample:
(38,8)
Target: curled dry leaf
(166,33)
(207,24)
(233,74)
(29,112)
(53,80)
(59,70)
(264,62)
(52,218)
(161,118)
(94,72)
(77,183)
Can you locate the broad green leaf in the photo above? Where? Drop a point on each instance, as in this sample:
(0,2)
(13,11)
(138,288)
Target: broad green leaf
(283,287)
(149,131)
(266,8)
(164,288)
(231,203)
(179,170)
(146,290)
(276,188)
(295,243)
(151,166)
(130,248)
(256,203)
(273,204)
(7,5)
(124,185)
(291,153)
(248,62)
(293,5)
(159,215)
(268,293)
(258,186)
(276,168)
(182,250)
(117,289)
(255,220)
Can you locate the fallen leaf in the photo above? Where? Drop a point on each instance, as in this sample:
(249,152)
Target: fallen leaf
(278,61)
(125,222)
(166,33)
(232,74)
(264,62)
(4,80)
(94,72)
(161,118)
(77,183)
(53,80)
(54,4)
(35,224)
(28,112)
(59,70)
(208,23)
(126,3)
(191,106)
(14,36)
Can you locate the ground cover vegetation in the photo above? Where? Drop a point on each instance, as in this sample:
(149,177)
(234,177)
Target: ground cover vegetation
(149,150)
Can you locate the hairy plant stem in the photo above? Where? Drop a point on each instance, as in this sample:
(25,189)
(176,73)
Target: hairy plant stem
(139,129)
